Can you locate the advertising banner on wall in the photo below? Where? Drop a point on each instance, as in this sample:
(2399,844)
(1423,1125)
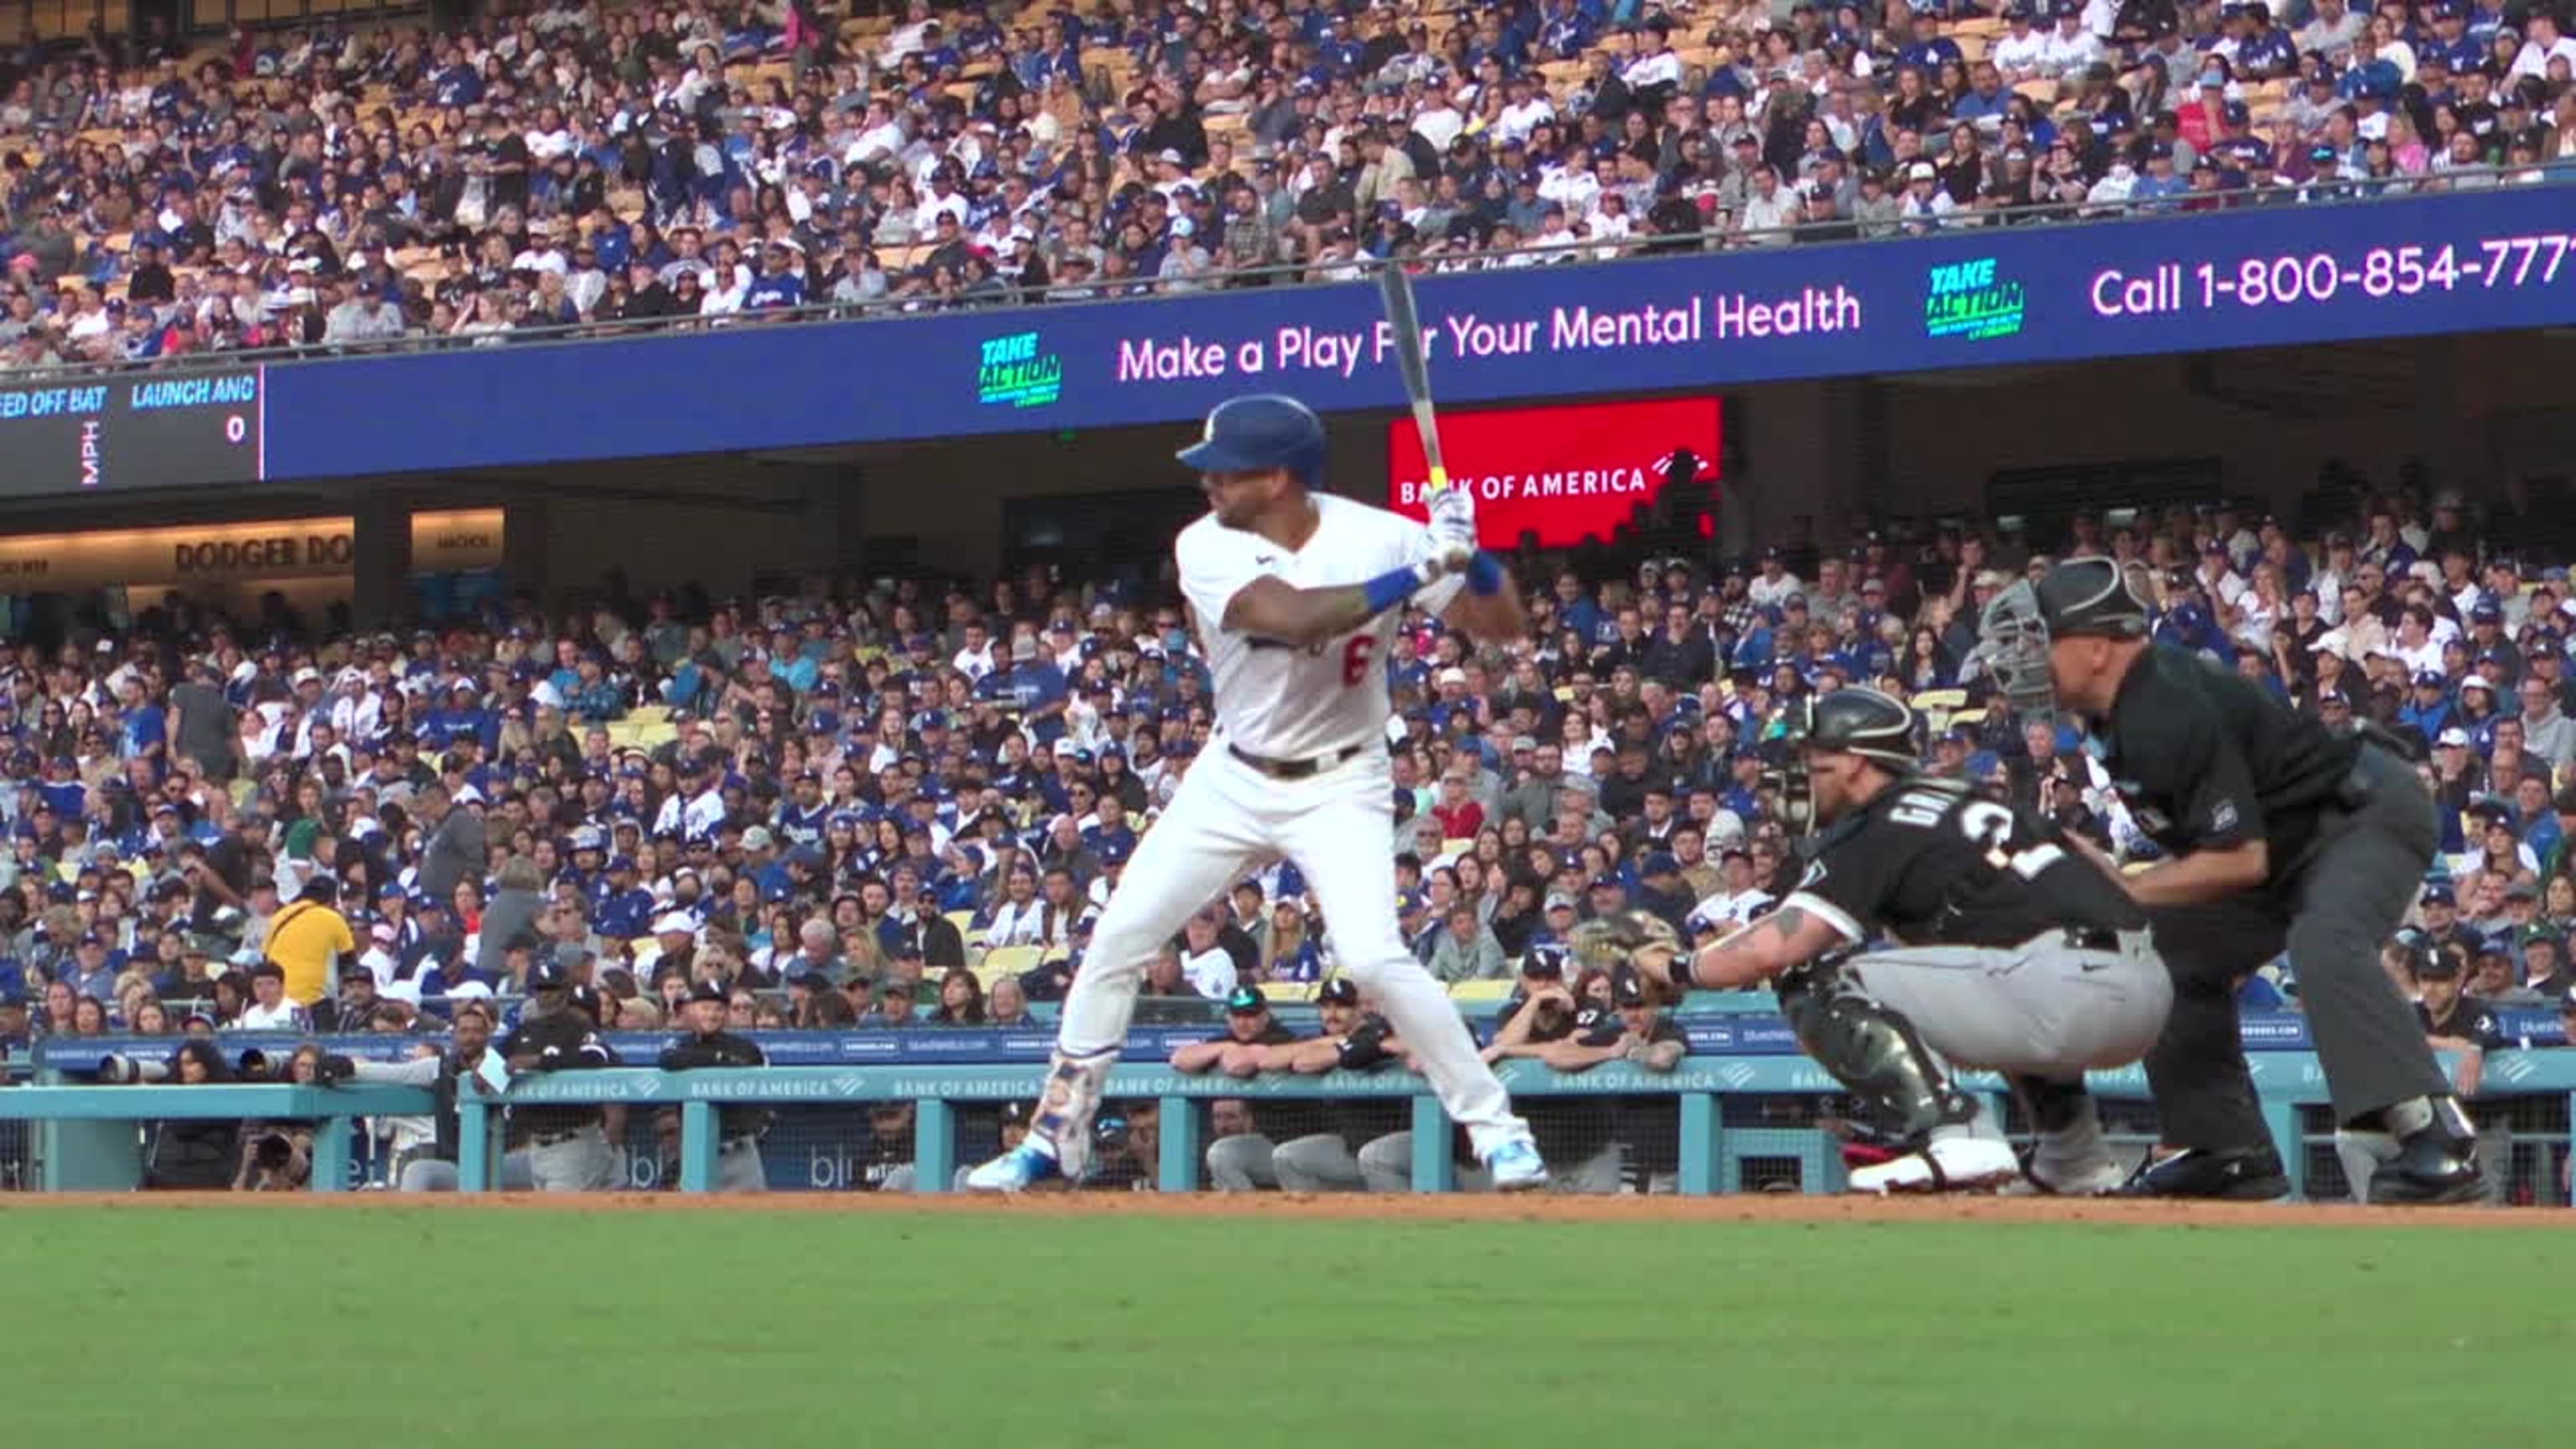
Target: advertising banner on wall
(1563,474)
(2264,276)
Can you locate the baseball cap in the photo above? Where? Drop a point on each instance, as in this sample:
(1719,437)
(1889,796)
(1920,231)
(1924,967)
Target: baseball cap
(1340,991)
(1627,988)
(707,990)
(1659,863)
(2439,895)
(1560,901)
(548,975)
(1544,960)
(1245,1001)
(2441,963)
(2453,738)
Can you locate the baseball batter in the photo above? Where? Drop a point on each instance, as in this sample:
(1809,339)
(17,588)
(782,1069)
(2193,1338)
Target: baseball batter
(1291,590)
(2015,954)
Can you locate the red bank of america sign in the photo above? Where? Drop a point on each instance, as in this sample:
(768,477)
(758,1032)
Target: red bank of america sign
(1562,473)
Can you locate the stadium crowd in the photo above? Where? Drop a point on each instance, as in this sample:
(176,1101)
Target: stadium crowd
(583,164)
(905,807)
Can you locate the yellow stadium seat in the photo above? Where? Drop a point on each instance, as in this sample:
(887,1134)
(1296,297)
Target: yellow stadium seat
(1009,961)
(1480,990)
(1458,845)
(1288,990)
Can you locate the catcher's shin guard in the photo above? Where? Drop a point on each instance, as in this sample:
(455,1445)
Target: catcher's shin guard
(1066,1105)
(1875,1052)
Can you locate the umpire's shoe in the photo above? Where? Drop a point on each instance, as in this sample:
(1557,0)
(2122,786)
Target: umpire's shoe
(2433,1166)
(2233,1174)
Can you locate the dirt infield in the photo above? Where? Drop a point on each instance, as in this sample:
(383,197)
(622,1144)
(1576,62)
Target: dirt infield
(1750,1208)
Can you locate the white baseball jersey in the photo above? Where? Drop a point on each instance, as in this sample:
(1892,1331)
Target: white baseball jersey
(1282,702)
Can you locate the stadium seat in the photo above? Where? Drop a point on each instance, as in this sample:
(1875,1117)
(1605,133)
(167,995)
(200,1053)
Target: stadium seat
(1009,961)
(1288,991)
(1480,990)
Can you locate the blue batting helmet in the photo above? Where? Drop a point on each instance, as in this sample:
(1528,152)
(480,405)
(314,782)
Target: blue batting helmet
(1260,431)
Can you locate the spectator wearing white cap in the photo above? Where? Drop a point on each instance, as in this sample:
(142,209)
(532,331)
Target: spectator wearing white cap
(1925,203)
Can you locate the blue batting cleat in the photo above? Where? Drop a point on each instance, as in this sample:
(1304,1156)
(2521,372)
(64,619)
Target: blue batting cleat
(1516,1167)
(1017,1170)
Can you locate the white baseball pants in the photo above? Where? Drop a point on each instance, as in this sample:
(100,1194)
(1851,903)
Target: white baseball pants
(1338,826)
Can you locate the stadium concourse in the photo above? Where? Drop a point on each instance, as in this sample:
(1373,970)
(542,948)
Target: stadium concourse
(586,164)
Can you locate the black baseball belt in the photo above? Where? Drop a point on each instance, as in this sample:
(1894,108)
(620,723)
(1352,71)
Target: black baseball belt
(2092,938)
(1306,768)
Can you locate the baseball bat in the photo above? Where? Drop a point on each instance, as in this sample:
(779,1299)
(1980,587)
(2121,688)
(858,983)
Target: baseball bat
(1404,320)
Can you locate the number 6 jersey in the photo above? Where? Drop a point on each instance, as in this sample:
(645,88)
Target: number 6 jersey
(1276,699)
(1929,863)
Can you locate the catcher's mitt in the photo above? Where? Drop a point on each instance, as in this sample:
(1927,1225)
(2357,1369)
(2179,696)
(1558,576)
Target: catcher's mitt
(1629,940)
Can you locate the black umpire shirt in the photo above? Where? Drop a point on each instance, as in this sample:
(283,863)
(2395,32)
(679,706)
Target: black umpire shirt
(1933,864)
(2207,760)
(721,1049)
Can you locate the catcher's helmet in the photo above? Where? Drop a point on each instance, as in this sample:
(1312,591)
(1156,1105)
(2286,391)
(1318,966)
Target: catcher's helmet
(1259,431)
(1862,722)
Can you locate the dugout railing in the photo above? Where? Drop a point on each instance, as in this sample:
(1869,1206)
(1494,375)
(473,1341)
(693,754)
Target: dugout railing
(1739,1122)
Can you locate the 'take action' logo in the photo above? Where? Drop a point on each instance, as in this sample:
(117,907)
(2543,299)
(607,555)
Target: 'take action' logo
(1967,300)
(1013,373)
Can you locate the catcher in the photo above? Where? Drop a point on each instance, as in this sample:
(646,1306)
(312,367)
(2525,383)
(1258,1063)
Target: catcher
(2014,952)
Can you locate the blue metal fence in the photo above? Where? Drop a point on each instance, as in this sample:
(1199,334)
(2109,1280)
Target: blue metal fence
(87,1135)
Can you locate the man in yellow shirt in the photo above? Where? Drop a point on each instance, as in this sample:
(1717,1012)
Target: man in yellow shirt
(304,939)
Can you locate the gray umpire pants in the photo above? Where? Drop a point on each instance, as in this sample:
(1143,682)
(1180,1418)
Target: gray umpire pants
(2046,1008)
(2332,912)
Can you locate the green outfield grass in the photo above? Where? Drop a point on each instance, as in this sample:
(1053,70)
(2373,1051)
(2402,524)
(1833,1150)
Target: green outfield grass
(508,1329)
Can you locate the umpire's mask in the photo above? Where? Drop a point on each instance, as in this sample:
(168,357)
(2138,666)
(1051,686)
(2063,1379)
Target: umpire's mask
(2012,645)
